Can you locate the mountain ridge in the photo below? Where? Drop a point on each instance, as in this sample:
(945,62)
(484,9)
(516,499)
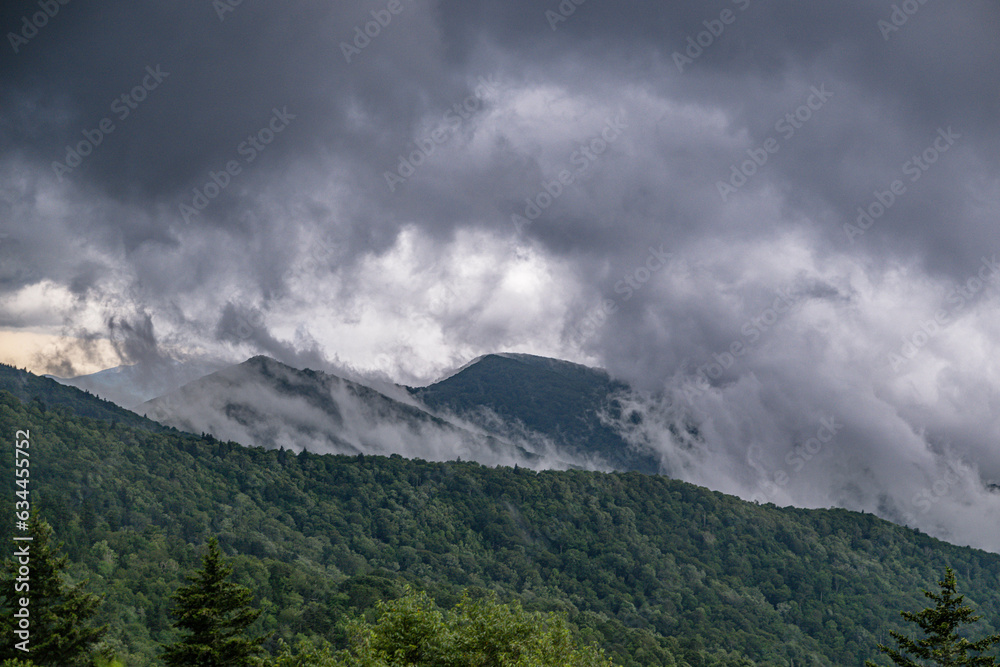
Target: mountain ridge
(266,403)
(525,388)
(132,385)
(658,571)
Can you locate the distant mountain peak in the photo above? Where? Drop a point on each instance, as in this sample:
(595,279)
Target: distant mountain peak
(261,359)
(562,401)
(549,412)
(130,385)
(554,365)
(265,402)
(264,361)
(550,363)
(461,368)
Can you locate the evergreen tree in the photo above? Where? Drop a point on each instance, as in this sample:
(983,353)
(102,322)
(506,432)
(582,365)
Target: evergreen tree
(942,644)
(59,615)
(215,614)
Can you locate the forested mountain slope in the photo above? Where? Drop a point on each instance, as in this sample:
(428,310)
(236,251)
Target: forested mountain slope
(265,403)
(649,567)
(46,391)
(558,399)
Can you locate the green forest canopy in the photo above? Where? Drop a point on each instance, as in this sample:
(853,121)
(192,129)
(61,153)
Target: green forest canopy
(651,569)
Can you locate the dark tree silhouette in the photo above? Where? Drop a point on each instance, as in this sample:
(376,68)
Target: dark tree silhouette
(58,615)
(215,614)
(942,644)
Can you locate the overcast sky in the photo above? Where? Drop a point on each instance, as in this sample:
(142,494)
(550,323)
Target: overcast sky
(397,186)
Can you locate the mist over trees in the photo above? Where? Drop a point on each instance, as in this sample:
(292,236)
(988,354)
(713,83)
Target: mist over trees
(649,569)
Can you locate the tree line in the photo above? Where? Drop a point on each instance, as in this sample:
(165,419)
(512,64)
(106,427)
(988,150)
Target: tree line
(215,615)
(652,570)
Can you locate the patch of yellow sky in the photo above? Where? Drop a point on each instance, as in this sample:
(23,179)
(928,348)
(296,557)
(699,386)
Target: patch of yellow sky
(43,353)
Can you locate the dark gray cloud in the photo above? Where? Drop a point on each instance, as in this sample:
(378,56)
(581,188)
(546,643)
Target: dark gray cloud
(277,181)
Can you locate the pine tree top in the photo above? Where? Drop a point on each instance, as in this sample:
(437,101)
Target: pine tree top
(942,644)
(215,613)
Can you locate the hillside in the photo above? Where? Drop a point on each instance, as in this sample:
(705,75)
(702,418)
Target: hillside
(128,386)
(262,402)
(48,392)
(558,399)
(653,569)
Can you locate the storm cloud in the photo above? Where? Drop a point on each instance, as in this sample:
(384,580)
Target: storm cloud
(760,214)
